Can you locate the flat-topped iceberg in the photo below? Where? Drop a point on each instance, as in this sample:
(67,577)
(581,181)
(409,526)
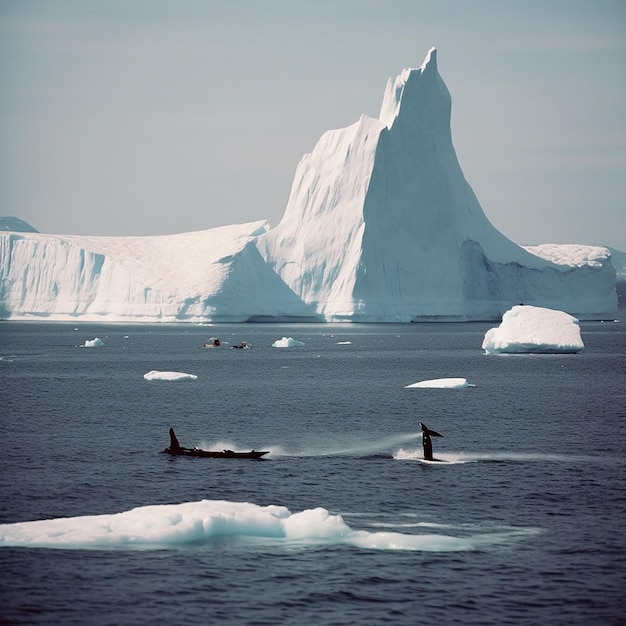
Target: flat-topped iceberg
(441,383)
(169,376)
(215,274)
(531,329)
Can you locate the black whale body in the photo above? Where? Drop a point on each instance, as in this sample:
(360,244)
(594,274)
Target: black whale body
(427,444)
(177,450)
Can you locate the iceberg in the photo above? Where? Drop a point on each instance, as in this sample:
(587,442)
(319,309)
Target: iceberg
(441,383)
(169,526)
(287,342)
(530,329)
(16,224)
(380,226)
(169,376)
(93,343)
(216,274)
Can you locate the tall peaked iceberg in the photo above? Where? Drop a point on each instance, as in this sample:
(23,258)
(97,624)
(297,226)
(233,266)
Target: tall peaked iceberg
(381,225)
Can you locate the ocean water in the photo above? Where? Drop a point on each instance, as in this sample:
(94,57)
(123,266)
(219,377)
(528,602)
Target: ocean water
(521,523)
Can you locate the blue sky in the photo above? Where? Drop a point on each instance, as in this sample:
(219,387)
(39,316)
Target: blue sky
(154,117)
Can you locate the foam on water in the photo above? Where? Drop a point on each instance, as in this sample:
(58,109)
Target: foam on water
(451,458)
(192,523)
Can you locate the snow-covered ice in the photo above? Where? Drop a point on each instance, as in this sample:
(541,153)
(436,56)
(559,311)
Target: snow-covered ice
(380,226)
(174,525)
(169,376)
(441,383)
(287,342)
(531,329)
(93,343)
(215,274)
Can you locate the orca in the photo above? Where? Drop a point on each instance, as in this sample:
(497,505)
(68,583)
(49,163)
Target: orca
(177,450)
(426,442)
(175,447)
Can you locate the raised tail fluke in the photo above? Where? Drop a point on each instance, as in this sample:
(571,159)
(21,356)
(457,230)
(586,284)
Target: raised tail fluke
(428,431)
(426,442)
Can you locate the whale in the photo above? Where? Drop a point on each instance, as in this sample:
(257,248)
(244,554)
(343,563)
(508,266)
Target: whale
(176,449)
(427,444)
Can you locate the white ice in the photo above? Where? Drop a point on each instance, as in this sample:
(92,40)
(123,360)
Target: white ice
(531,329)
(169,376)
(287,342)
(94,343)
(441,383)
(173,525)
(381,226)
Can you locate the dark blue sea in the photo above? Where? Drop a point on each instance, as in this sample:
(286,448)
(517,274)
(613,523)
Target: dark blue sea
(532,482)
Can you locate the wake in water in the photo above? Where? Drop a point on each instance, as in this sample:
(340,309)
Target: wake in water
(364,448)
(452,458)
(193,523)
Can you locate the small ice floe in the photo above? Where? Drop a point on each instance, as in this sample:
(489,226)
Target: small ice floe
(169,376)
(94,343)
(532,329)
(287,342)
(441,383)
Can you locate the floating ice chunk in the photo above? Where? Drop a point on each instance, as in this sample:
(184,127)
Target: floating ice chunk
(171,376)
(441,383)
(315,524)
(172,525)
(532,329)
(93,343)
(287,342)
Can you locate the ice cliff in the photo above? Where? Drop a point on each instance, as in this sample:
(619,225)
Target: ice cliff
(381,225)
(213,274)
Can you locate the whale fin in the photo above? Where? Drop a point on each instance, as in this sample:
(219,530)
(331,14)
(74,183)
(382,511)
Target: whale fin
(428,431)
(174,445)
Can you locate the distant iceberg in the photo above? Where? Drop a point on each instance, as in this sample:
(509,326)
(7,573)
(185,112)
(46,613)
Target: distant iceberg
(287,342)
(441,383)
(94,343)
(531,329)
(169,376)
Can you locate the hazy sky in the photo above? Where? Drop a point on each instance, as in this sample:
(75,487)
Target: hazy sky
(141,117)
